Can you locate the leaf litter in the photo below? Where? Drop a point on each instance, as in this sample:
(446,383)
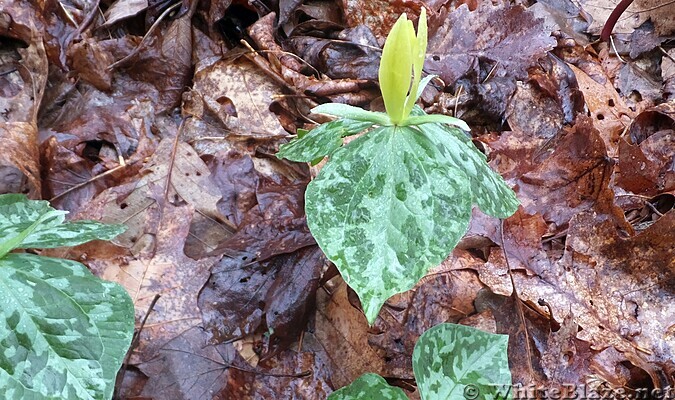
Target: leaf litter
(157,116)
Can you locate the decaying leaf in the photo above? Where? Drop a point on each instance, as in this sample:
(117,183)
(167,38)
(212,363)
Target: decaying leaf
(616,289)
(162,269)
(22,90)
(239,94)
(461,39)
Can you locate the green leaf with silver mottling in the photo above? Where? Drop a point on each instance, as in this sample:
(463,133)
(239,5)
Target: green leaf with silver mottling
(385,209)
(63,331)
(34,224)
(369,386)
(351,112)
(321,141)
(456,362)
(493,196)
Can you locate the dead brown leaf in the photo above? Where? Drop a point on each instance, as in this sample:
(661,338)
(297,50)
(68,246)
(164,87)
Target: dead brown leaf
(461,41)
(571,177)
(22,89)
(617,289)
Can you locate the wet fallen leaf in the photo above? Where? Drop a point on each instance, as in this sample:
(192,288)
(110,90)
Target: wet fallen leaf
(22,89)
(570,178)
(461,40)
(615,288)
(238,94)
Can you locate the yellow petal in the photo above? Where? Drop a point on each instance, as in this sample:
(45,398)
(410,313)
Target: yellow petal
(396,66)
(420,52)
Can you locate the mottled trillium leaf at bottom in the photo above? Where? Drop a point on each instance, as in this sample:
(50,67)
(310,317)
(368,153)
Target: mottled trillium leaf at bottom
(322,140)
(453,362)
(369,386)
(63,331)
(385,209)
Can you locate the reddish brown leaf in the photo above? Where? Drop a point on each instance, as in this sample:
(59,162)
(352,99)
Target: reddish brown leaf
(617,289)
(574,177)
(508,37)
(378,15)
(167,65)
(20,97)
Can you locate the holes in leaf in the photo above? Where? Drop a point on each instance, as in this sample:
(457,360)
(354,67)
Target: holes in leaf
(600,117)
(123,206)
(244,280)
(436,58)
(610,103)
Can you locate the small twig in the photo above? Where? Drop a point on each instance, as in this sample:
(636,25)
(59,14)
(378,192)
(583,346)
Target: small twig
(297,57)
(666,53)
(140,45)
(263,64)
(99,176)
(88,19)
(252,371)
(492,71)
(457,94)
(134,343)
(611,42)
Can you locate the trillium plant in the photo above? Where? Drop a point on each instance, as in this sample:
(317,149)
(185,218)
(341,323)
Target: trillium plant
(395,201)
(63,331)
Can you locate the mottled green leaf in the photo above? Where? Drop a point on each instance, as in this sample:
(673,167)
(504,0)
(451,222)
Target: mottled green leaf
(367,387)
(351,112)
(63,332)
(456,362)
(34,224)
(493,196)
(385,209)
(321,141)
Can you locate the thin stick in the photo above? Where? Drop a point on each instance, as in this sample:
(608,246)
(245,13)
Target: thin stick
(611,42)
(99,176)
(134,343)
(140,45)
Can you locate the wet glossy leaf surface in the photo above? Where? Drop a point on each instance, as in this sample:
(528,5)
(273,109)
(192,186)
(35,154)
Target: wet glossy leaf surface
(64,331)
(385,228)
(454,361)
(368,386)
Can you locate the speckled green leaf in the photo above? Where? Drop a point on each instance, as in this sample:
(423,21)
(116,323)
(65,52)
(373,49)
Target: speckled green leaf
(366,387)
(34,224)
(321,141)
(456,362)
(63,332)
(490,191)
(385,209)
